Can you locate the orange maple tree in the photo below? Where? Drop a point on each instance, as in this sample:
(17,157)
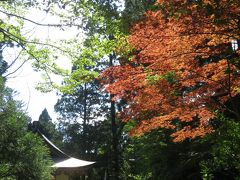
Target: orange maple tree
(185,66)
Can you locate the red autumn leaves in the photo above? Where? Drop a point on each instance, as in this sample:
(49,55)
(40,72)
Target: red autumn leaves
(184,71)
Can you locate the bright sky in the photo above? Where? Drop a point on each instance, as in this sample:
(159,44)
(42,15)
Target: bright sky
(25,79)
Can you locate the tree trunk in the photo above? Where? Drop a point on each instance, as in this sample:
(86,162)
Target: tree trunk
(115,152)
(84,122)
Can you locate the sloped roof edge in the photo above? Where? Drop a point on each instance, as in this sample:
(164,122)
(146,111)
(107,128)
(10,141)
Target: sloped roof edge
(53,145)
(70,162)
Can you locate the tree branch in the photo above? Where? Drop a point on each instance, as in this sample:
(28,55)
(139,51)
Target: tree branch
(32,55)
(36,23)
(13,63)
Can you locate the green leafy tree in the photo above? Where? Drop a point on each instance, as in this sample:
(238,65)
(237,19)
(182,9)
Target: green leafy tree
(223,161)
(22,153)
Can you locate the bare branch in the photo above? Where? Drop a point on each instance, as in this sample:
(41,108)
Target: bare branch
(13,62)
(15,69)
(37,23)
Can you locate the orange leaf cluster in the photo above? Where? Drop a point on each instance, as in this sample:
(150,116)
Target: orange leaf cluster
(183,70)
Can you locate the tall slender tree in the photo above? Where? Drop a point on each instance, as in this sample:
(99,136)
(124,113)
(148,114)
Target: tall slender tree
(81,110)
(49,128)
